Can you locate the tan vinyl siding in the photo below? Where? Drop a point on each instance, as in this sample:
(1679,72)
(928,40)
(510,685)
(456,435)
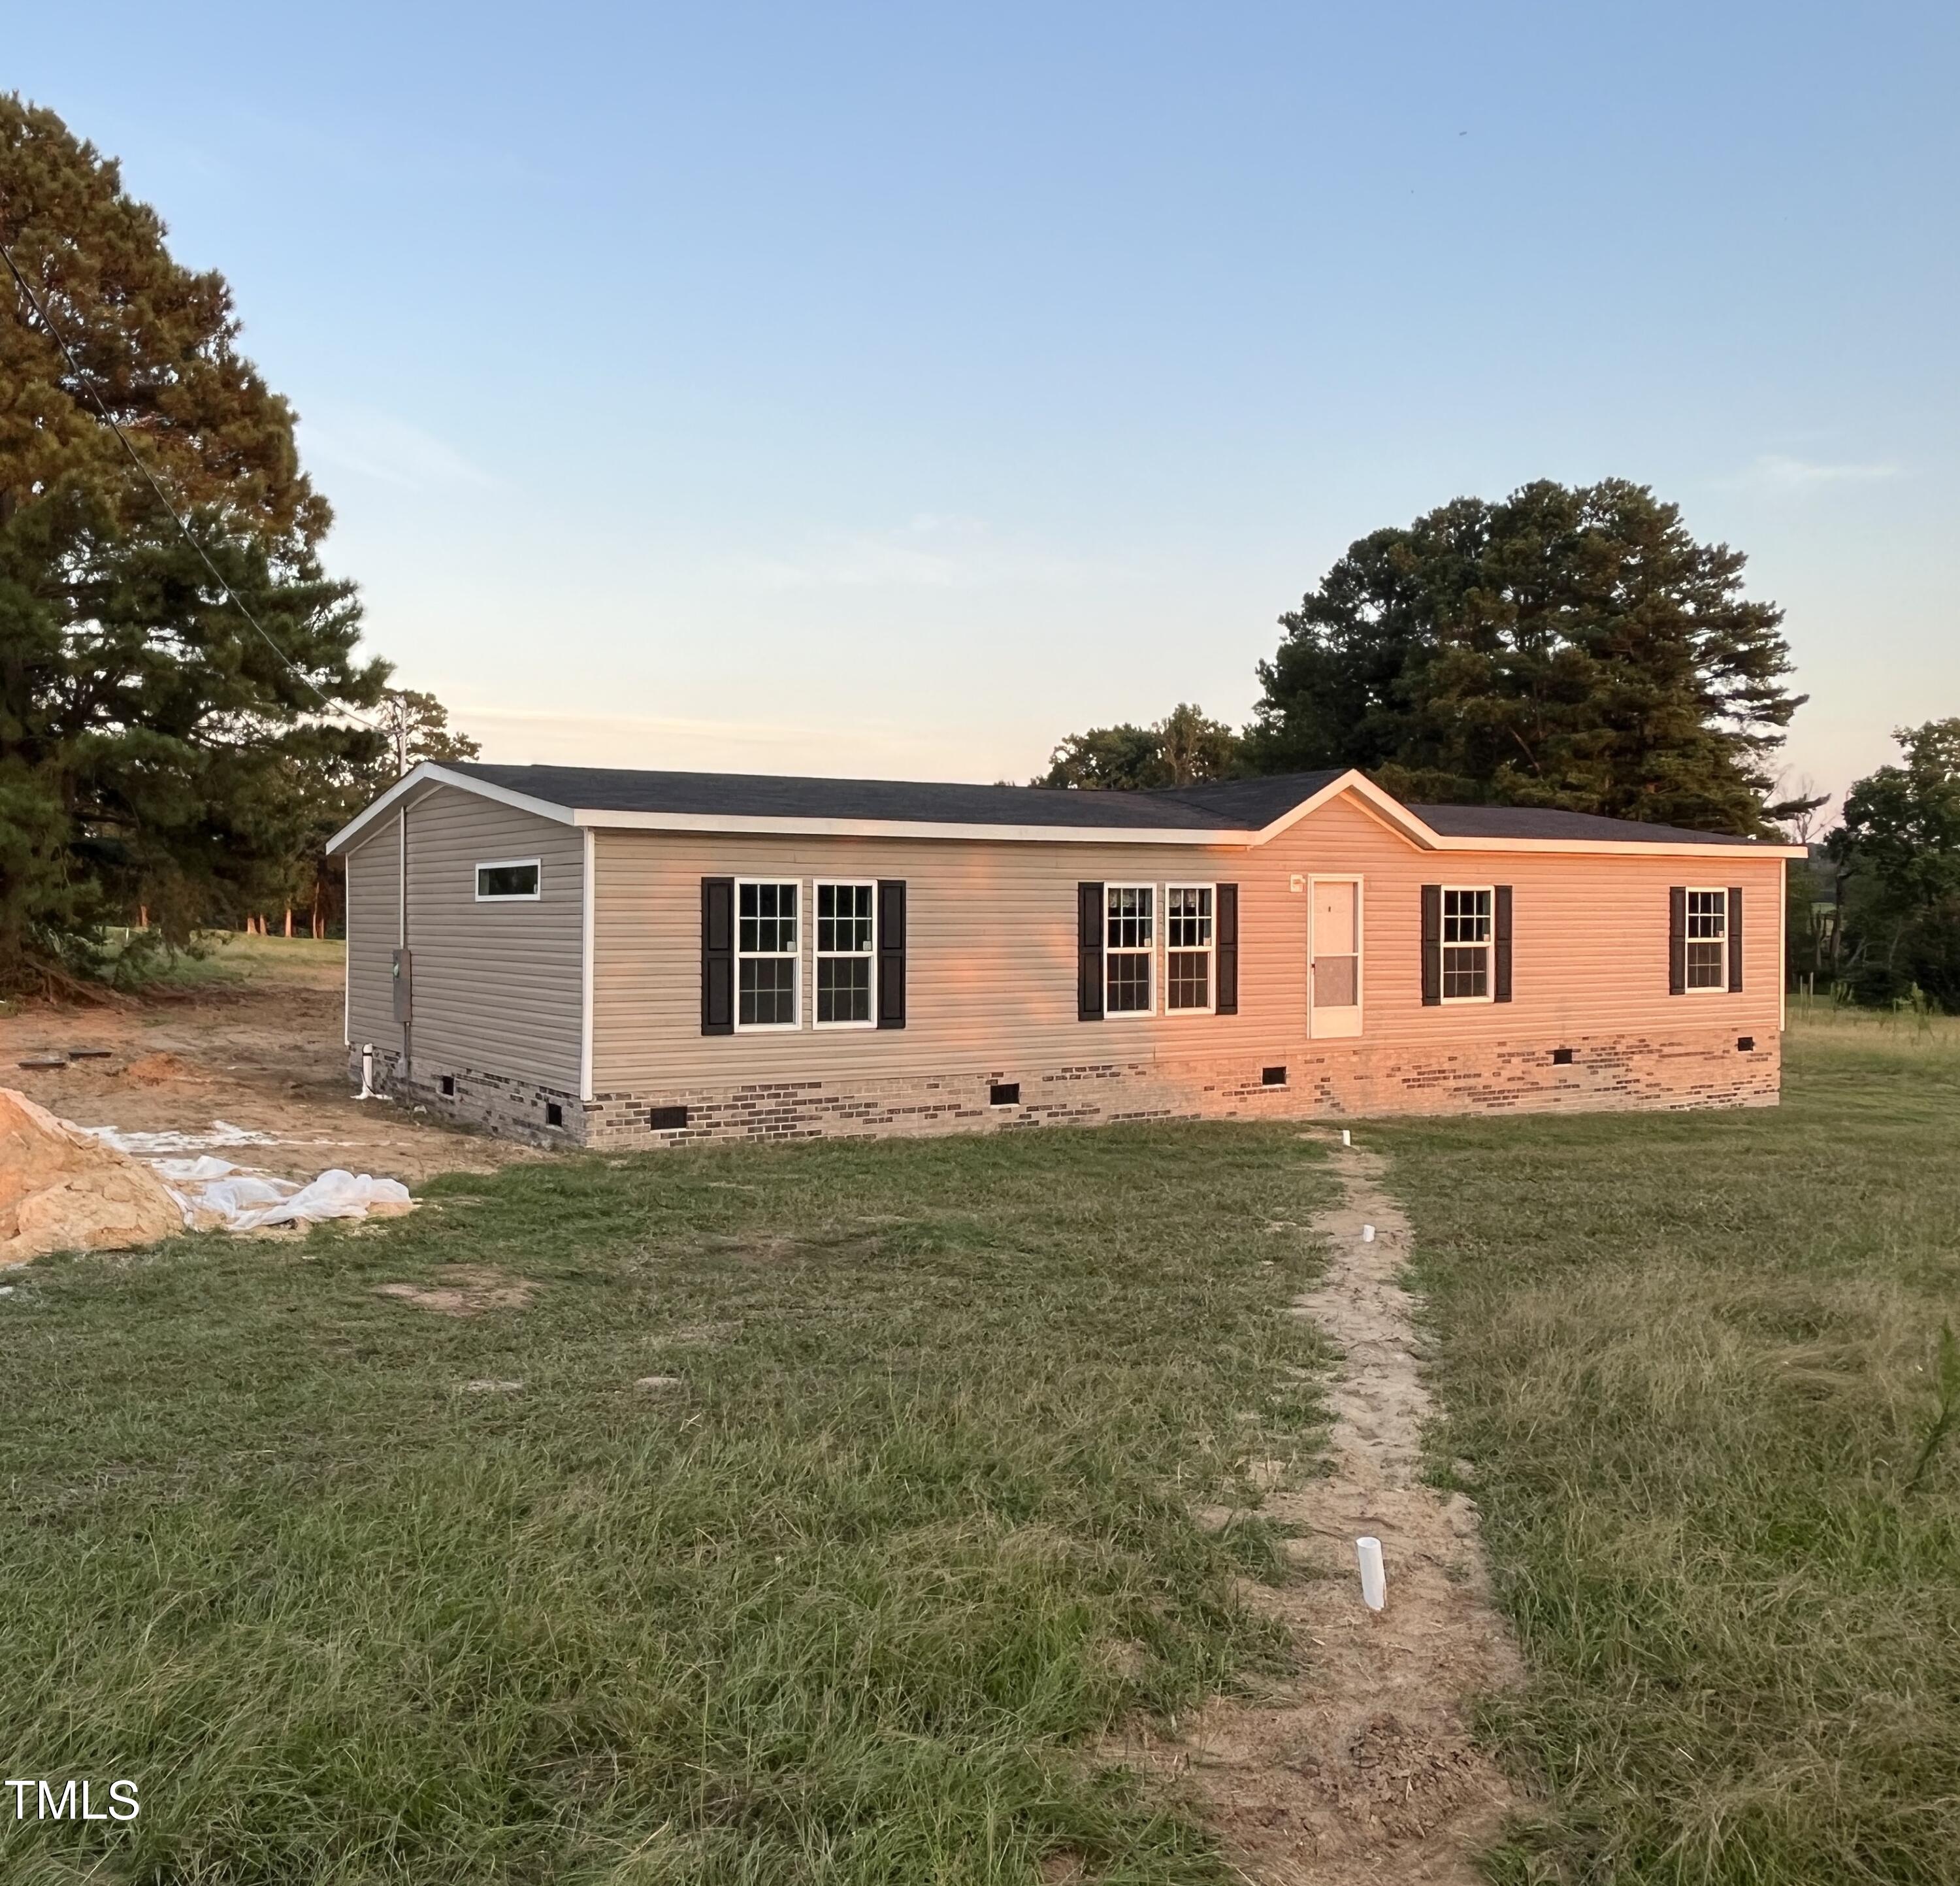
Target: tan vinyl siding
(992,959)
(498,987)
(374,921)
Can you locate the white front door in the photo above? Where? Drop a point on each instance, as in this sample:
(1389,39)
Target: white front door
(1334,955)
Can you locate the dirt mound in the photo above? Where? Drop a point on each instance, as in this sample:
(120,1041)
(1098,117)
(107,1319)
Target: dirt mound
(160,1069)
(62,1190)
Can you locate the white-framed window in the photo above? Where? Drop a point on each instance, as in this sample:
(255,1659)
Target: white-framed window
(769,954)
(510,880)
(1129,949)
(847,946)
(1707,940)
(1467,923)
(1190,926)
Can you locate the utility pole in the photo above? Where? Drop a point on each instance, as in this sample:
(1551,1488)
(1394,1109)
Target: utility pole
(397,726)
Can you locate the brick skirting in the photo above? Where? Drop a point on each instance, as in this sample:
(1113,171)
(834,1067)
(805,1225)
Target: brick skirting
(1343,1078)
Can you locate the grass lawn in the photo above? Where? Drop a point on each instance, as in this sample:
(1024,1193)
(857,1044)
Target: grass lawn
(845,1603)
(1690,1357)
(230,958)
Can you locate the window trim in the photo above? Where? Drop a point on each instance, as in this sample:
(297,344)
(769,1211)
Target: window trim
(1689,939)
(817,953)
(1488,946)
(509,897)
(1209,951)
(1149,954)
(768,956)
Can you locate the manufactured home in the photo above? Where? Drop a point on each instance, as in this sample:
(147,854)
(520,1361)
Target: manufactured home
(626,958)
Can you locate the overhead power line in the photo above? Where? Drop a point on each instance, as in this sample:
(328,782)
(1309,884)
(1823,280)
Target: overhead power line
(163,498)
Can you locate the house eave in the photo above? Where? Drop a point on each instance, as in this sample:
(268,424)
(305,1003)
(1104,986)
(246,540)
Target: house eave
(1381,806)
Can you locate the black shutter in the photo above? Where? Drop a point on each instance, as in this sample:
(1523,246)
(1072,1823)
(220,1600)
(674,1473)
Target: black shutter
(1432,945)
(1226,946)
(1735,937)
(1677,941)
(1500,968)
(717,956)
(891,952)
(1088,952)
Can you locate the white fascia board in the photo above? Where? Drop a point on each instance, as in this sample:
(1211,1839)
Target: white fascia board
(1398,817)
(429,774)
(1383,806)
(1618,848)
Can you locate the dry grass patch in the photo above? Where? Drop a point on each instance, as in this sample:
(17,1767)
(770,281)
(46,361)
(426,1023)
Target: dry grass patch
(463,1290)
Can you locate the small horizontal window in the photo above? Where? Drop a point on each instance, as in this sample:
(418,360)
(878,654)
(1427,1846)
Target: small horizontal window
(1272,1077)
(1745,1044)
(510,879)
(1561,1057)
(666,1119)
(1004,1094)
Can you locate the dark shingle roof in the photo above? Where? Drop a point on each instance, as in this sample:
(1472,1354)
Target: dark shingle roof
(1233,805)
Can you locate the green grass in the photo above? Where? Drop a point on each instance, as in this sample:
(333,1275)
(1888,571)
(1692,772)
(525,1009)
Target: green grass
(847,1605)
(228,959)
(1689,1359)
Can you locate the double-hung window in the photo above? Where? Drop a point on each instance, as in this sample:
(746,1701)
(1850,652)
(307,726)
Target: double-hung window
(1707,939)
(767,954)
(1129,948)
(1466,944)
(846,948)
(1190,940)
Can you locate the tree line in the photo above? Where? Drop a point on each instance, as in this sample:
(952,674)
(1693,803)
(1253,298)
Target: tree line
(164,755)
(186,714)
(1576,648)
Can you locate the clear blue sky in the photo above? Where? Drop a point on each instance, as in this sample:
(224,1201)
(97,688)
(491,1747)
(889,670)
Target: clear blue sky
(891,390)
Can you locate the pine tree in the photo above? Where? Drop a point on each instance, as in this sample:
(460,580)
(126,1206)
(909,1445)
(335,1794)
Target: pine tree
(1575,648)
(143,720)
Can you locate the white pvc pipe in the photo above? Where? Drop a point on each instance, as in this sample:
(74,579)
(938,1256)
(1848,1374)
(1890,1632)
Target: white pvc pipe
(1374,1577)
(1367,1233)
(1344,1139)
(367,1071)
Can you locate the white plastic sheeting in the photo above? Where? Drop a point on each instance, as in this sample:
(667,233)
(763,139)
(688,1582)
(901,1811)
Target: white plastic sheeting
(220,1132)
(215,1195)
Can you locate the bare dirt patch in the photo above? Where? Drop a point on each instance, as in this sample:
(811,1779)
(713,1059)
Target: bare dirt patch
(463,1290)
(1362,1766)
(260,1050)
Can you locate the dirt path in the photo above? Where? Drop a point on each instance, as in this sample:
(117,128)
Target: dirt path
(1362,1769)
